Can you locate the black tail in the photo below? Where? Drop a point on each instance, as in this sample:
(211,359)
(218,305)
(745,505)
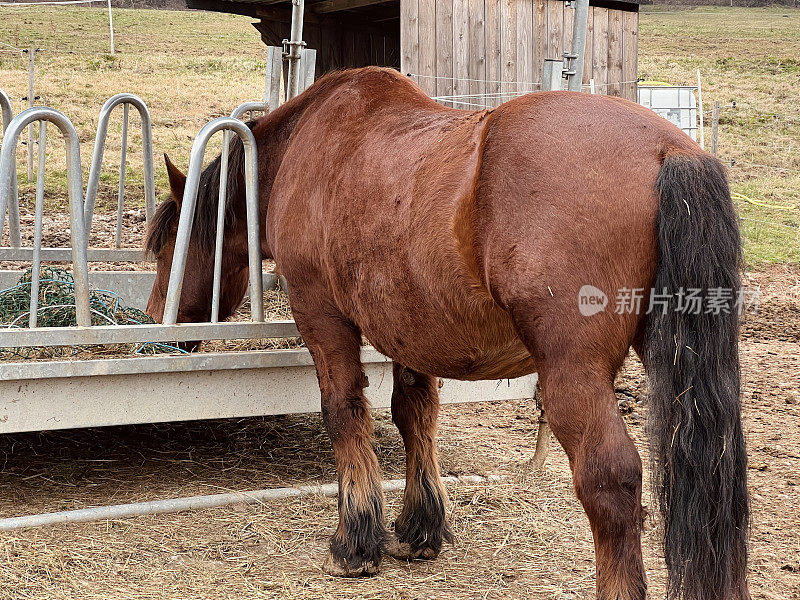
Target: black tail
(692,360)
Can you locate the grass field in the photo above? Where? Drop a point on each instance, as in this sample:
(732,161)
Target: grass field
(191,66)
(751,57)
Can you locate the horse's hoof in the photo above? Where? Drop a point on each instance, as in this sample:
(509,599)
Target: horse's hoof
(335,568)
(403,551)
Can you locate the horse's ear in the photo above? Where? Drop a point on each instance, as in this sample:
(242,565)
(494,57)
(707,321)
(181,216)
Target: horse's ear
(177,180)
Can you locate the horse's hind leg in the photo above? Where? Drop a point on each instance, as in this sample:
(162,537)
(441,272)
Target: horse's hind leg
(606,469)
(577,363)
(422,526)
(335,345)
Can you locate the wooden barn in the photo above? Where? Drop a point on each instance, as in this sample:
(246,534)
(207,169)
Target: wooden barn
(481,50)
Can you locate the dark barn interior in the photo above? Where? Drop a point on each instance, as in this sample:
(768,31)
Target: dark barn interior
(346,33)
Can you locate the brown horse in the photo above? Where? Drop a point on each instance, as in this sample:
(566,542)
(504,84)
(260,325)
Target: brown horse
(459,243)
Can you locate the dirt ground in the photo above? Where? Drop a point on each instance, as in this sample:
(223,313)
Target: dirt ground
(524,537)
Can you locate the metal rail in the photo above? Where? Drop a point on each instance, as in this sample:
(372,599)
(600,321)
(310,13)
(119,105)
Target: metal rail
(187,218)
(127,100)
(133,334)
(65,254)
(153,389)
(77,234)
(13,202)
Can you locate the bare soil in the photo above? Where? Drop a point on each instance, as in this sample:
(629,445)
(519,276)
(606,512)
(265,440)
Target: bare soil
(524,537)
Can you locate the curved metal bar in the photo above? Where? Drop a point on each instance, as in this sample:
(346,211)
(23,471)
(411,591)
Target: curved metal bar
(99,149)
(237,113)
(247,107)
(13,207)
(80,267)
(187,218)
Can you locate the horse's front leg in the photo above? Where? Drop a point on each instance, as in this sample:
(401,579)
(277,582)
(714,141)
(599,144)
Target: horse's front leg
(335,345)
(422,526)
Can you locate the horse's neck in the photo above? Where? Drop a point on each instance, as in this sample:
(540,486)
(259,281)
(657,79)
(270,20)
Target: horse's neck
(272,134)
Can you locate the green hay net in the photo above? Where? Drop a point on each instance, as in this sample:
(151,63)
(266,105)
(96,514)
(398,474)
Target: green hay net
(57,309)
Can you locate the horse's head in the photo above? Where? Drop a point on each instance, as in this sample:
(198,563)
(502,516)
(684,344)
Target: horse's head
(195,302)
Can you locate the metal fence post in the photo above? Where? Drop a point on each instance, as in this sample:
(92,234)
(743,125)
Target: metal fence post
(80,267)
(31,101)
(14,238)
(308,66)
(295,45)
(121,187)
(33,316)
(700,111)
(186,221)
(574,60)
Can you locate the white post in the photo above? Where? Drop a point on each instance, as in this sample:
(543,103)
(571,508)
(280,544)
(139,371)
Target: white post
(700,110)
(111,26)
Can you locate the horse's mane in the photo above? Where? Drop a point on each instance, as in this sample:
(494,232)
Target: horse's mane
(204,227)
(282,119)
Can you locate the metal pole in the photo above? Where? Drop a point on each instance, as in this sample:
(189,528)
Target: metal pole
(33,317)
(574,59)
(295,45)
(111,26)
(158,507)
(223,195)
(552,74)
(14,238)
(237,113)
(99,149)
(715,128)
(80,268)
(121,187)
(186,219)
(31,75)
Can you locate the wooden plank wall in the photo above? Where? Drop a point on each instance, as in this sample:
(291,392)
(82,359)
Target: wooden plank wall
(488,51)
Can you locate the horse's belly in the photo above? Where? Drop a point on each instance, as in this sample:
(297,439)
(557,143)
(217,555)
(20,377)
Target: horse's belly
(474,345)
